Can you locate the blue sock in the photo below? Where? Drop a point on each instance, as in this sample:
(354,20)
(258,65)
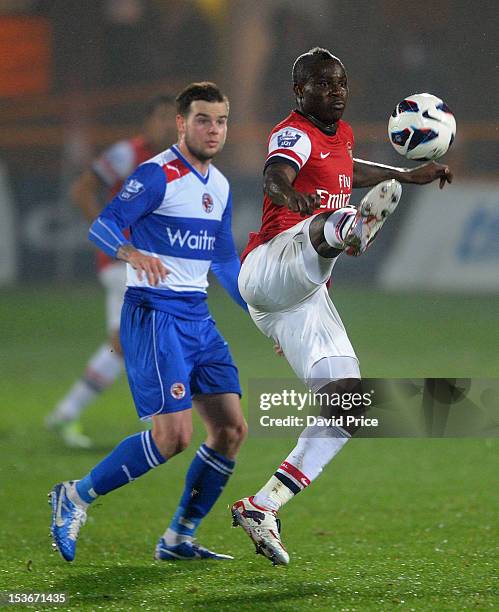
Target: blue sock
(133,457)
(205,480)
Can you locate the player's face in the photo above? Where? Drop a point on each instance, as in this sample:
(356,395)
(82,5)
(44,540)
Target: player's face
(204,129)
(159,127)
(324,94)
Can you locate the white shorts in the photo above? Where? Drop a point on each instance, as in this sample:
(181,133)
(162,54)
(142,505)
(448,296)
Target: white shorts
(290,307)
(113,279)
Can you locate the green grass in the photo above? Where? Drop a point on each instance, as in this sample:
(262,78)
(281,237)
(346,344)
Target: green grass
(391,524)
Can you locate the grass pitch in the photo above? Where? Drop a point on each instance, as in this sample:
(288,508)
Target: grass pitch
(390,524)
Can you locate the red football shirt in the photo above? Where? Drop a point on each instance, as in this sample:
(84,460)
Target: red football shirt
(324,166)
(113,166)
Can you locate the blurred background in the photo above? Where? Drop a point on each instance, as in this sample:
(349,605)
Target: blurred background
(76,77)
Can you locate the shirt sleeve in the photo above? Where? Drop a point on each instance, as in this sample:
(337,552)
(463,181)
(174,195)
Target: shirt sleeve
(225,263)
(289,145)
(115,163)
(141,193)
(225,249)
(227,274)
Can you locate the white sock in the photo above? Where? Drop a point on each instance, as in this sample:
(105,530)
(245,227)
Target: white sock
(103,369)
(315,449)
(336,228)
(338,225)
(172,538)
(72,494)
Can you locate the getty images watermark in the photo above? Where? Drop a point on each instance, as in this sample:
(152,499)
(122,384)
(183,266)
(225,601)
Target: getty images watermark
(340,414)
(429,407)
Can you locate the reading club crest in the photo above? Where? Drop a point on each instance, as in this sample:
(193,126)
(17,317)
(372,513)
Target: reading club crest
(177,390)
(207,202)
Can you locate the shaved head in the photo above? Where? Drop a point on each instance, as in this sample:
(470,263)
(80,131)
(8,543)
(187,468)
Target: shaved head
(305,62)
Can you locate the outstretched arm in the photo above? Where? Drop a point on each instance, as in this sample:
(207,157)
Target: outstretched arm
(367,174)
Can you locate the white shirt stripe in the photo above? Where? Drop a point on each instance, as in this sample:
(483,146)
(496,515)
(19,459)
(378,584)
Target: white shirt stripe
(101,222)
(111,246)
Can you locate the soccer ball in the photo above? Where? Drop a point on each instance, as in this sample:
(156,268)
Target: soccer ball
(422,127)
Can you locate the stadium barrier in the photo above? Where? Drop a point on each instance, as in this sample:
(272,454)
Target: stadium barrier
(449,245)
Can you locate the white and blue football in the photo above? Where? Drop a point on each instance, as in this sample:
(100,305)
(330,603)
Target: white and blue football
(422,127)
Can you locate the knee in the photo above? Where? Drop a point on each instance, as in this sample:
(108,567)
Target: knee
(171,443)
(236,434)
(229,438)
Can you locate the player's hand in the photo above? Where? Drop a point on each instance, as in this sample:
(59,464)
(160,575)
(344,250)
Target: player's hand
(429,172)
(303,203)
(278,350)
(146,265)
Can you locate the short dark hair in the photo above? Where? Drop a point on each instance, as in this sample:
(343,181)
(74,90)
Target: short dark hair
(205,90)
(156,102)
(303,63)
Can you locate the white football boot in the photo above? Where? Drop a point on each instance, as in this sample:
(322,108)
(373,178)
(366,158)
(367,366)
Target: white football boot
(263,527)
(70,432)
(374,209)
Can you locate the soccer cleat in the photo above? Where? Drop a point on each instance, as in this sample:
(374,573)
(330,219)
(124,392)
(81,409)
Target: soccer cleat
(185,551)
(70,432)
(67,518)
(263,527)
(375,207)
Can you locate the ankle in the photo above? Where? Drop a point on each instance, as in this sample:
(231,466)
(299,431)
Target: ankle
(173,538)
